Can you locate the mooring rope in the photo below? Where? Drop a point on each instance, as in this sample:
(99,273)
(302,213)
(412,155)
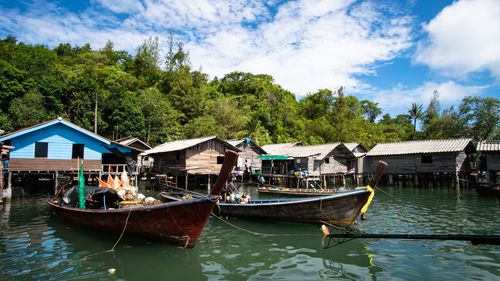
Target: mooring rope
(123,231)
(260,233)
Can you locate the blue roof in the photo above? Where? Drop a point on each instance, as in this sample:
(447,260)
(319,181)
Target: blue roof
(51,123)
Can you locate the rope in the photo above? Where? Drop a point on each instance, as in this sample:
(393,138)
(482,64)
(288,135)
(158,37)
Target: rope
(123,231)
(263,234)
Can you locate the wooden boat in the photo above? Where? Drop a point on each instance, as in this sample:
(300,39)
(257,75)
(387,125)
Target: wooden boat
(488,190)
(340,208)
(179,223)
(275,190)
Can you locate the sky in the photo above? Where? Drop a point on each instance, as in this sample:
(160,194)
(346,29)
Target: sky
(393,52)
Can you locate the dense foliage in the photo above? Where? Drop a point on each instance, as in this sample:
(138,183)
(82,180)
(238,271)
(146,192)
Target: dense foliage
(161,99)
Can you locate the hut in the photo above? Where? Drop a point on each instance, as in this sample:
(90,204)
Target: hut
(489,155)
(423,163)
(327,163)
(356,162)
(144,163)
(248,158)
(196,159)
(55,149)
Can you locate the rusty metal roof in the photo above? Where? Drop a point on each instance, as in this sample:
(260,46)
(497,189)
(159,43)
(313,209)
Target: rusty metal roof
(419,147)
(488,145)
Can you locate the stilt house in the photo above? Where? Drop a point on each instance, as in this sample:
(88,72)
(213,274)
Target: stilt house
(424,162)
(55,147)
(202,156)
(248,157)
(490,159)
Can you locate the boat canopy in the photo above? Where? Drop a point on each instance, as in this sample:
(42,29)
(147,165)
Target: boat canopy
(274,157)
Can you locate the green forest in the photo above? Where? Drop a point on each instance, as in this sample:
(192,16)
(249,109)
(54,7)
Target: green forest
(160,97)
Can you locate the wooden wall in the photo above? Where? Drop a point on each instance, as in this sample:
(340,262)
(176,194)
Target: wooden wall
(42,164)
(411,164)
(199,159)
(250,152)
(492,160)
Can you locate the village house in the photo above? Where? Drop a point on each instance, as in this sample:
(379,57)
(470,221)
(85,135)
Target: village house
(489,154)
(56,148)
(329,163)
(144,163)
(196,160)
(423,163)
(248,158)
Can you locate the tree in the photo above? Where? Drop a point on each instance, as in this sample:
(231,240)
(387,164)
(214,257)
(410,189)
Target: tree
(415,113)
(28,110)
(371,110)
(481,116)
(146,63)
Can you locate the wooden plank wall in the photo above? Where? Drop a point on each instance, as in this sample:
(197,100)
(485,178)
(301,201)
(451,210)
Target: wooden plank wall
(43,164)
(492,160)
(202,159)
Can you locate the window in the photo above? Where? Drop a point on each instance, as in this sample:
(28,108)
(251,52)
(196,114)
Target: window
(77,151)
(426,158)
(220,159)
(41,149)
(327,160)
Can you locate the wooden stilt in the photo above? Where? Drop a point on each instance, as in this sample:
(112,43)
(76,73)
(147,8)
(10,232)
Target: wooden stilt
(56,182)
(208,184)
(9,186)
(186,182)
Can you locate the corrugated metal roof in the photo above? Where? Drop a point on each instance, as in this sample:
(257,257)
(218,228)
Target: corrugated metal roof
(130,140)
(320,150)
(419,147)
(235,142)
(357,149)
(276,147)
(183,144)
(488,145)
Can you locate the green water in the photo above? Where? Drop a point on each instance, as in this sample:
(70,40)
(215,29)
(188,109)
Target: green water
(35,246)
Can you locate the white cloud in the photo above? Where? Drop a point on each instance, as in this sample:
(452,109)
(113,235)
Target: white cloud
(122,6)
(400,97)
(463,38)
(305,45)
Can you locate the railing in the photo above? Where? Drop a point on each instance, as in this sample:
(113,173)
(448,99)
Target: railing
(113,169)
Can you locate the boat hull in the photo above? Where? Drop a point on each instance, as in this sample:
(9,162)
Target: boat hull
(179,223)
(296,191)
(341,208)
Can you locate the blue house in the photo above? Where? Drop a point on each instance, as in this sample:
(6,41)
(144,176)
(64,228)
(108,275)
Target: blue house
(58,145)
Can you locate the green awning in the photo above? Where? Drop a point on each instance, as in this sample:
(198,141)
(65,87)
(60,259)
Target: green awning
(274,157)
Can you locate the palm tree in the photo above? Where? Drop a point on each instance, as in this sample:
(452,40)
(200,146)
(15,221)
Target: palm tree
(416,112)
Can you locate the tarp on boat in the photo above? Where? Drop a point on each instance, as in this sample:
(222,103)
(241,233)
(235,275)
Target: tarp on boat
(101,197)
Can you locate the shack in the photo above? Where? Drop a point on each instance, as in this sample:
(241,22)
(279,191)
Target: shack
(248,158)
(489,155)
(191,162)
(327,163)
(52,151)
(424,163)
(144,163)
(356,162)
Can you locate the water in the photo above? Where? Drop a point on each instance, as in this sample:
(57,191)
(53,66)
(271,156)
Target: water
(36,246)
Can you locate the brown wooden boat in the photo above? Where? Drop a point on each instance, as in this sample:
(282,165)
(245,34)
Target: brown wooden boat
(178,223)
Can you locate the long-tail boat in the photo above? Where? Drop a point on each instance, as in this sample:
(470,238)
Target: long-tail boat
(340,208)
(179,223)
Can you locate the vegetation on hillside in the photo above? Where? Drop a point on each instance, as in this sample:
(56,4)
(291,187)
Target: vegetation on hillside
(162,98)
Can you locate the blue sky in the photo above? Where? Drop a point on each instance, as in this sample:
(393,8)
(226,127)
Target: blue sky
(391,52)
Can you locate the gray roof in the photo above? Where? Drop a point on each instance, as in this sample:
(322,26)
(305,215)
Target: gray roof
(277,147)
(357,149)
(320,150)
(488,145)
(419,147)
(237,142)
(184,144)
(130,140)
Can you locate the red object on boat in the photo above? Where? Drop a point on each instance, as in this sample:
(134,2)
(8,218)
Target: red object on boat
(179,223)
